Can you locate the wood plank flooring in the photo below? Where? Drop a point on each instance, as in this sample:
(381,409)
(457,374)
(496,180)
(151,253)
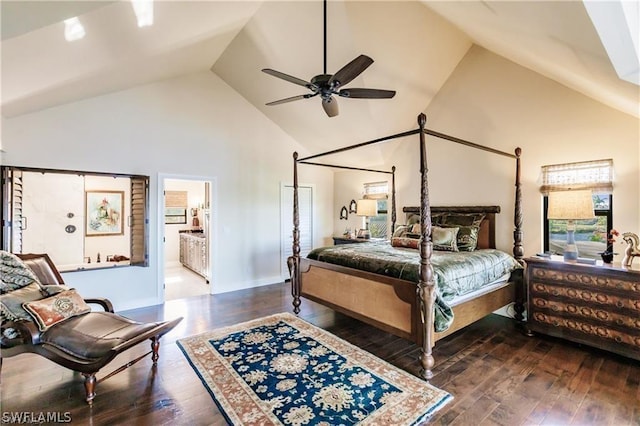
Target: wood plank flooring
(497,375)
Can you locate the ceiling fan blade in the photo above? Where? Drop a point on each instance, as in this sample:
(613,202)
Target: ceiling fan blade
(367,93)
(287,77)
(350,71)
(330,106)
(291,99)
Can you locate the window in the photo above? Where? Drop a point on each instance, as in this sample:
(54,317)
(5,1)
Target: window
(49,211)
(378,225)
(591,234)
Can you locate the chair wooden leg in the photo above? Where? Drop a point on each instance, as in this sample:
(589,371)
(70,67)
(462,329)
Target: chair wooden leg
(155,346)
(90,387)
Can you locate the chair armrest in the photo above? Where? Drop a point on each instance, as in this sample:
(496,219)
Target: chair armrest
(105,303)
(27,330)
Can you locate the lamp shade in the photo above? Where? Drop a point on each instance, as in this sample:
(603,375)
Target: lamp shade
(570,205)
(367,208)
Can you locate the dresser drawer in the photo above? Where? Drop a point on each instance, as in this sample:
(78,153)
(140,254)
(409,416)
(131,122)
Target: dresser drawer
(597,306)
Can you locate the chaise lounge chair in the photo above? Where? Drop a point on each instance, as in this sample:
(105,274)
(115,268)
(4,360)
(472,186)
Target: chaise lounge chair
(43,316)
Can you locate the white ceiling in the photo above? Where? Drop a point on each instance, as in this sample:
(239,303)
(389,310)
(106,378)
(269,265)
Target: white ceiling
(416,45)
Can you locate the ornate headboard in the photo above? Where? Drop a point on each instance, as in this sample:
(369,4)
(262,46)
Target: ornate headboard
(487,233)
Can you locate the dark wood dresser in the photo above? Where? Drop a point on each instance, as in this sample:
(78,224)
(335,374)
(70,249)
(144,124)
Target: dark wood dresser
(595,305)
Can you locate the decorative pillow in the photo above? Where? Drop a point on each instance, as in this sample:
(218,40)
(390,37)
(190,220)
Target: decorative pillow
(438,218)
(405,242)
(467,239)
(400,231)
(11,303)
(15,274)
(52,310)
(444,238)
(463,219)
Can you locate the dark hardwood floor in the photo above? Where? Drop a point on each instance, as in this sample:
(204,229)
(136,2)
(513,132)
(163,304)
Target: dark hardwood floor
(496,374)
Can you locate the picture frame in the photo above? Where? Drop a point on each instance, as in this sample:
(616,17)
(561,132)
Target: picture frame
(175,215)
(343,213)
(353,207)
(104,213)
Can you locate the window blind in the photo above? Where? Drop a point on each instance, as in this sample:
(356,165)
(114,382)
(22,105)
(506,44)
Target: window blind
(376,190)
(594,175)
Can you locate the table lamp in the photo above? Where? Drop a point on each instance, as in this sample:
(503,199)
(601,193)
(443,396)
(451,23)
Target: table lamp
(570,206)
(367,208)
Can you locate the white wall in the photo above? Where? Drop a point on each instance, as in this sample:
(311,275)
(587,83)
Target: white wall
(48,201)
(192,125)
(492,101)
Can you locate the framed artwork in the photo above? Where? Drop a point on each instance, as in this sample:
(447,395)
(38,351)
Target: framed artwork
(175,215)
(353,207)
(343,213)
(104,213)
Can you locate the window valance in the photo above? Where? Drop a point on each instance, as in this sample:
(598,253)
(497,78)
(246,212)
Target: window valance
(594,175)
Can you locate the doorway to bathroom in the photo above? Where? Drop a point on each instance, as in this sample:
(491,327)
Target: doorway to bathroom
(187,232)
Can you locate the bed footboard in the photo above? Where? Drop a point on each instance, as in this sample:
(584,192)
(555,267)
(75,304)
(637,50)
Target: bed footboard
(388,303)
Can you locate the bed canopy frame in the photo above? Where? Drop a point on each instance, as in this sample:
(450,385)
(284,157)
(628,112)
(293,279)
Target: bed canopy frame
(426,290)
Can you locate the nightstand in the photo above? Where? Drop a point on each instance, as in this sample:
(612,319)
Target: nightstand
(597,305)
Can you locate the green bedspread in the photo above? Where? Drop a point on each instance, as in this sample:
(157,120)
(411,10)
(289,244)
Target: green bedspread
(456,273)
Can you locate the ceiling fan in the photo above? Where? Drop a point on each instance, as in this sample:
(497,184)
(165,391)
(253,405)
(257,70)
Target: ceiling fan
(326,85)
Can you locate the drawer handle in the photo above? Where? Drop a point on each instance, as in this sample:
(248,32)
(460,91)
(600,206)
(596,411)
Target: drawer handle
(618,339)
(620,321)
(555,292)
(620,304)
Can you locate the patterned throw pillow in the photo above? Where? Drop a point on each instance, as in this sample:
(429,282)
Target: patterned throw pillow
(413,243)
(14,273)
(400,231)
(467,239)
(444,239)
(52,310)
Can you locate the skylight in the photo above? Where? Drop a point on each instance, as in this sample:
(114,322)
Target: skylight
(617,23)
(73,29)
(144,12)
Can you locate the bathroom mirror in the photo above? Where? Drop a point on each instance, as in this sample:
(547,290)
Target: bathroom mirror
(82,220)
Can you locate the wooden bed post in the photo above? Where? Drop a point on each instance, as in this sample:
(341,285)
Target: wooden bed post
(518,250)
(293,262)
(426,290)
(393,200)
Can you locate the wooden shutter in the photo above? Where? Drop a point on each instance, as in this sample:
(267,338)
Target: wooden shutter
(12,220)
(139,222)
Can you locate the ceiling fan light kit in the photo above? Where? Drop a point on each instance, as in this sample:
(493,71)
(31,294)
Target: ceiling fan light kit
(328,85)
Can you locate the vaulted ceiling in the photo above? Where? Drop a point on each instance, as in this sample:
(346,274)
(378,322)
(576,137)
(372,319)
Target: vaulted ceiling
(416,46)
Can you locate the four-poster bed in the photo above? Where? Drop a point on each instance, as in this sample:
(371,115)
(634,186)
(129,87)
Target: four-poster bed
(407,307)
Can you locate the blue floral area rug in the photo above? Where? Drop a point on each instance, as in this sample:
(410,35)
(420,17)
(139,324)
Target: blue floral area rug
(281,370)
